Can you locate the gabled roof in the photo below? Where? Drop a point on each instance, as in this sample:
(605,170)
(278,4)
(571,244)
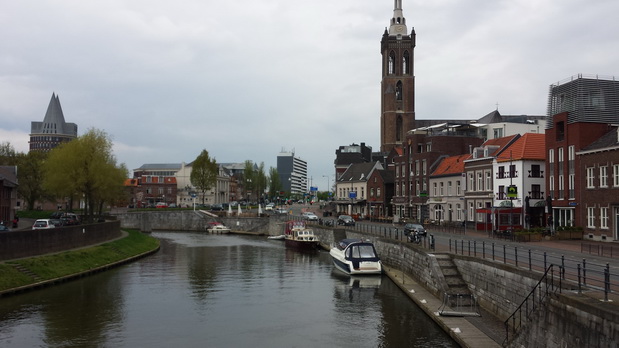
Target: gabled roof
(451,165)
(530,146)
(359,171)
(8,174)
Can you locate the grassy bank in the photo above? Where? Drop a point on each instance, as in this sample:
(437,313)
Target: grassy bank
(24,272)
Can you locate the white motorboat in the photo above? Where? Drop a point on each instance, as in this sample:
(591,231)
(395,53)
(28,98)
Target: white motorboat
(217,227)
(280,237)
(356,257)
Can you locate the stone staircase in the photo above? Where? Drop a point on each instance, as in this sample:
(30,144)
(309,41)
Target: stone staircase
(27,272)
(458,298)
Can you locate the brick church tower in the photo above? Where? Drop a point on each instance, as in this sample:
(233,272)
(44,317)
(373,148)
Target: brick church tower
(398,81)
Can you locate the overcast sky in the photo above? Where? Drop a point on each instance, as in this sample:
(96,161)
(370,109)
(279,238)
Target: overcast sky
(245,79)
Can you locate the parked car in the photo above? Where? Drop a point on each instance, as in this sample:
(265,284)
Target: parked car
(408,228)
(217,207)
(345,220)
(43,224)
(4,228)
(161,205)
(269,206)
(280,211)
(309,216)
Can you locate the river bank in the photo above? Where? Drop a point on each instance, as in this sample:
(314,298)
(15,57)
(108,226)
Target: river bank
(25,274)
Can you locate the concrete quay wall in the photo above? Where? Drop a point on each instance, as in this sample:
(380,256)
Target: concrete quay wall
(29,243)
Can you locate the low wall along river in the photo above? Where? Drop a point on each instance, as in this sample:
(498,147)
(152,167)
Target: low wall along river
(562,321)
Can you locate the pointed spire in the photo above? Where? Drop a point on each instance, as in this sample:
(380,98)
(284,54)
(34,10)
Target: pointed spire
(398,22)
(54,118)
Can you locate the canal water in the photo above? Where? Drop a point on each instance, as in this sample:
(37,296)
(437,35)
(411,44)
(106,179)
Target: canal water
(204,290)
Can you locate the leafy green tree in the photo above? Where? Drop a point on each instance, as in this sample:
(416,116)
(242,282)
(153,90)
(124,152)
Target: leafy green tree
(249,178)
(30,177)
(85,168)
(8,156)
(204,172)
(261,181)
(275,184)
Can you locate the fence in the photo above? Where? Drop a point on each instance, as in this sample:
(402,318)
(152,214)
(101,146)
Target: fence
(581,275)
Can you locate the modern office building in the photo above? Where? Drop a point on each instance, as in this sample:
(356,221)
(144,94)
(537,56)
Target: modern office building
(53,131)
(292,173)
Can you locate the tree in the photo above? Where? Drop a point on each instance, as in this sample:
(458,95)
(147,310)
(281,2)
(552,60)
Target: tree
(275,184)
(204,172)
(7,154)
(30,177)
(249,177)
(85,168)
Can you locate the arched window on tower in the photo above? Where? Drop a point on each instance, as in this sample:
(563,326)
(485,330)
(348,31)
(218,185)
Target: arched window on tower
(398,90)
(391,63)
(405,63)
(398,129)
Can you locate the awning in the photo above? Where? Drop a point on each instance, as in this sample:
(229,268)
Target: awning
(501,210)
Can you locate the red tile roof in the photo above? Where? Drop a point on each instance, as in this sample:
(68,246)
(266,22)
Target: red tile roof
(451,165)
(531,146)
(500,142)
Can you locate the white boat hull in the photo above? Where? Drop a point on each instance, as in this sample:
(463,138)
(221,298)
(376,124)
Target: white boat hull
(354,267)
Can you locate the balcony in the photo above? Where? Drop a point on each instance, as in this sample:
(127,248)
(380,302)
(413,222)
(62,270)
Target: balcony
(536,173)
(536,195)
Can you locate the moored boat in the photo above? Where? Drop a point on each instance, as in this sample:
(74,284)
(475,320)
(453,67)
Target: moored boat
(217,227)
(298,236)
(356,257)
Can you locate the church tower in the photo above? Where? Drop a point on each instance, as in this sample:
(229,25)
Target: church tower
(398,81)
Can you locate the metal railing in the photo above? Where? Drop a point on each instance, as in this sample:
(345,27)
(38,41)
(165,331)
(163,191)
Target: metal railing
(549,284)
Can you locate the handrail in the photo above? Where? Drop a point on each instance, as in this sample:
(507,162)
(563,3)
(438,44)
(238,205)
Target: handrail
(550,288)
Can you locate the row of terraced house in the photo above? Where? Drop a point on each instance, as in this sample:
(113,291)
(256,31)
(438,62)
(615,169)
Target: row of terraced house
(502,172)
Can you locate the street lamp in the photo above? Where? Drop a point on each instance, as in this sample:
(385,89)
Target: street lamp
(328,186)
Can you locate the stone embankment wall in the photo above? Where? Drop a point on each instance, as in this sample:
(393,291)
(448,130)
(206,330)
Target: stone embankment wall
(564,321)
(28,243)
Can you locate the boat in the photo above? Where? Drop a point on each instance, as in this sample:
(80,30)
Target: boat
(356,257)
(217,227)
(298,236)
(280,237)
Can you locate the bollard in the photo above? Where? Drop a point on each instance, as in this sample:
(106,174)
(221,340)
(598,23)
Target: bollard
(530,260)
(492,251)
(483,245)
(475,248)
(579,288)
(504,255)
(606,282)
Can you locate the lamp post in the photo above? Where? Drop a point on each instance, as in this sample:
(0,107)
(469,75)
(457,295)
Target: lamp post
(328,186)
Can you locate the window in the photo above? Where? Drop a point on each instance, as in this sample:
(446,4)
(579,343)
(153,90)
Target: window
(501,172)
(471,211)
(442,189)
(590,177)
(570,158)
(449,188)
(423,167)
(480,182)
(378,192)
(512,171)
(458,212)
(551,189)
(604,176)
(535,171)
(498,132)
(416,167)
(458,189)
(434,190)
(560,126)
(398,90)
(604,217)
(428,147)
(560,160)
(536,192)
(502,192)
(488,180)
(397,171)
(590,217)
(571,192)
(551,161)
(616,175)
(391,63)
(561,187)
(405,63)
(371,192)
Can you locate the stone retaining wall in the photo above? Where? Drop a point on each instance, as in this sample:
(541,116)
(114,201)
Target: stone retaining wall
(28,243)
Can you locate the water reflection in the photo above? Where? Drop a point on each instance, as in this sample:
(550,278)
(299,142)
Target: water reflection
(219,291)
